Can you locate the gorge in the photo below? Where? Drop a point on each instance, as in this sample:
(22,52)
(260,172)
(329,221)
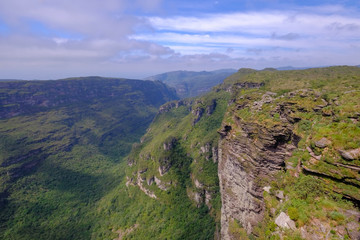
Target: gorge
(264,155)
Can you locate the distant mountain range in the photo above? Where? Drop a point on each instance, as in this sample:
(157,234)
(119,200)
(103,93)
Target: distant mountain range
(191,83)
(10,80)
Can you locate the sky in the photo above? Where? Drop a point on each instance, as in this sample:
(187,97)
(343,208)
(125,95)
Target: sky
(52,39)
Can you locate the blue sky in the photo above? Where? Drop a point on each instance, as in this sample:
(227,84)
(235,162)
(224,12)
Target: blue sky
(48,39)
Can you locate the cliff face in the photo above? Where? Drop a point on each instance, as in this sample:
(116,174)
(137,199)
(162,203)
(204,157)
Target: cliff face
(279,153)
(176,164)
(250,155)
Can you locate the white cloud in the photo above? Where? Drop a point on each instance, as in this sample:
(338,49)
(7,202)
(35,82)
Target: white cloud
(91,37)
(323,31)
(253,22)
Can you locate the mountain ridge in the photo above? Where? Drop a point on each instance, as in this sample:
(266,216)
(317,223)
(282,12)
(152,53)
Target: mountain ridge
(192,83)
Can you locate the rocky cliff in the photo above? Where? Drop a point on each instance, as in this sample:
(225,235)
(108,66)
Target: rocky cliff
(268,137)
(285,147)
(250,155)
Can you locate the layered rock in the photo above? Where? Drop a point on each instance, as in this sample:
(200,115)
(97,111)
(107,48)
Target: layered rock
(249,155)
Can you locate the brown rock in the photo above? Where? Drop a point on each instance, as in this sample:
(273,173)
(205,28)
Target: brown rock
(243,161)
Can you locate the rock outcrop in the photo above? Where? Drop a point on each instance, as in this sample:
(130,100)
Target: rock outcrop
(322,143)
(174,104)
(350,154)
(284,221)
(250,154)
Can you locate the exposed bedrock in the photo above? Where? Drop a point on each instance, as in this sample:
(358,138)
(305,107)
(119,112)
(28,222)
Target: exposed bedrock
(249,156)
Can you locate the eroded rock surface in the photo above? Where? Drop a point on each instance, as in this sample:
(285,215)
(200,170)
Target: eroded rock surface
(284,221)
(249,153)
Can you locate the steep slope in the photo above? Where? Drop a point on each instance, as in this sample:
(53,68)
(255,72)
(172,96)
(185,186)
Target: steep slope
(61,148)
(299,122)
(191,84)
(285,146)
(172,175)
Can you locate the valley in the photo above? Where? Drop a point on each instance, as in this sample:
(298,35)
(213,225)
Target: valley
(62,144)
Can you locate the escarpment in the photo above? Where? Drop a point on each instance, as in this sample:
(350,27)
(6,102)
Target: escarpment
(265,155)
(176,163)
(250,156)
(269,137)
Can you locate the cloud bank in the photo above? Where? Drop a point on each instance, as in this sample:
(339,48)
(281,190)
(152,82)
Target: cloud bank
(53,39)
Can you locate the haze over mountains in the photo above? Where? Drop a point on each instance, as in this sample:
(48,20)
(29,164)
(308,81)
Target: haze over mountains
(190,83)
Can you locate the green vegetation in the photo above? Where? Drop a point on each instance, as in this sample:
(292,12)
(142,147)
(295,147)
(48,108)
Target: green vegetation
(58,162)
(180,140)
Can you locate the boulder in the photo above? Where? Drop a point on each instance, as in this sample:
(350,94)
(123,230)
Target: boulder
(322,143)
(198,184)
(284,221)
(150,180)
(280,195)
(350,154)
(267,189)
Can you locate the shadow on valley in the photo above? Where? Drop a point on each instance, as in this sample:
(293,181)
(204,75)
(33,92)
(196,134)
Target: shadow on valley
(55,197)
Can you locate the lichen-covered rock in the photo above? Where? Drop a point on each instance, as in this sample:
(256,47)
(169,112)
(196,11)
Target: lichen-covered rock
(267,189)
(266,98)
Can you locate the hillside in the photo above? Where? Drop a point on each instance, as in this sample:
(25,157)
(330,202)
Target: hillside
(61,148)
(265,155)
(191,84)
